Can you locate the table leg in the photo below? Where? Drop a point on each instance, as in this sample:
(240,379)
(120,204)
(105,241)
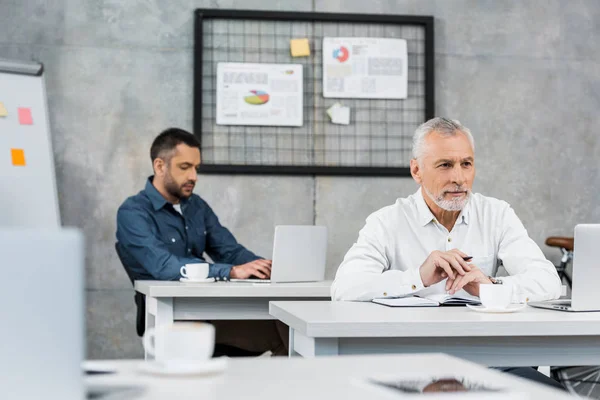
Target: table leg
(162,308)
(312,347)
(291,351)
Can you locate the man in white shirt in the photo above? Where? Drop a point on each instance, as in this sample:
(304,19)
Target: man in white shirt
(420,243)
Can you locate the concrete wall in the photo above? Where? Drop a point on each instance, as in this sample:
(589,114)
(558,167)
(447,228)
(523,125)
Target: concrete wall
(523,75)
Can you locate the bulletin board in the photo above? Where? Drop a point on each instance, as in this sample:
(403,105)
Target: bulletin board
(378,139)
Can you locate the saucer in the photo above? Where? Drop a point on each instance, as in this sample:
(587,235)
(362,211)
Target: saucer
(93,367)
(208,367)
(188,280)
(509,309)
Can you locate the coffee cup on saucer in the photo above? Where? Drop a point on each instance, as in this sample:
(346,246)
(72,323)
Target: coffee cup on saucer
(181,344)
(195,271)
(495,296)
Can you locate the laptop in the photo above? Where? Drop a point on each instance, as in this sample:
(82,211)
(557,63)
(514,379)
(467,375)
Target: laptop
(585,295)
(42,335)
(299,254)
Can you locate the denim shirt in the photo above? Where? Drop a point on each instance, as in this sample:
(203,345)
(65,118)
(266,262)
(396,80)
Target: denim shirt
(154,240)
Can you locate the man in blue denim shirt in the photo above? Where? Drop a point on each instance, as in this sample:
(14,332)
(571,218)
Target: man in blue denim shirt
(166,226)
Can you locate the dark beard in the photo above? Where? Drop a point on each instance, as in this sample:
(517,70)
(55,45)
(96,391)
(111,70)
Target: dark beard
(174,190)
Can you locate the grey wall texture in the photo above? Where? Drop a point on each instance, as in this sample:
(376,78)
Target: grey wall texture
(523,75)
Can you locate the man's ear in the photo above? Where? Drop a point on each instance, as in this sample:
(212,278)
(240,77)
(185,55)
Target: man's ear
(415,170)
(159,166)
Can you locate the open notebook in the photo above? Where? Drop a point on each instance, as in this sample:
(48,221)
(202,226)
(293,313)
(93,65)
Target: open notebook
(431,300)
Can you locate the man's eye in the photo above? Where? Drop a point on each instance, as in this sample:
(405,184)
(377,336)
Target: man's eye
(467,164)
(444,165)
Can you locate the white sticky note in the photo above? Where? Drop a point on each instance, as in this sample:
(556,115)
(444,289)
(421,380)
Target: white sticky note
(341,115)
(331,109)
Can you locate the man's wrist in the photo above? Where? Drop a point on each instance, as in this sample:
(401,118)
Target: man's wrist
(420,274)
(220,272)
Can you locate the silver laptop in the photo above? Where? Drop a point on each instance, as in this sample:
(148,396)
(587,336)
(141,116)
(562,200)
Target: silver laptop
(299,254)
(585,295)
(42,292)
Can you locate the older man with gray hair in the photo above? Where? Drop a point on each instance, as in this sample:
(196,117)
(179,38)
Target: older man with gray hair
(420,243)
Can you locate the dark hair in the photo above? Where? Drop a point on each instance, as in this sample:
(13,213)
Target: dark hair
(169,139)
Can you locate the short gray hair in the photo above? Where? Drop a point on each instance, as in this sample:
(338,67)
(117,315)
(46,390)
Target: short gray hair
(444,126)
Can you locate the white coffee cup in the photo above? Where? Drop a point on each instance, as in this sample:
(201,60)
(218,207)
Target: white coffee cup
(181,343)
(195,271)
(495,296)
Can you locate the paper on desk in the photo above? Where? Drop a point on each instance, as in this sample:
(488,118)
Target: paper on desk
(442,386)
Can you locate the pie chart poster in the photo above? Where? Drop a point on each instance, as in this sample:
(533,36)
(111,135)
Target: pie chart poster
(365,68)
(259,94)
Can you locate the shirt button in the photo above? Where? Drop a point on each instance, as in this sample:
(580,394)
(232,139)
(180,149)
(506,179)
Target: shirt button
(189,250)
(385,293)
(173,240)
(186,227)
(413,287)
(449,239)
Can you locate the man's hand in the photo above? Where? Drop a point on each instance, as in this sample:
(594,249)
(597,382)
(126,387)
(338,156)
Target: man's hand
(441,265)
(258,268)
(469,282)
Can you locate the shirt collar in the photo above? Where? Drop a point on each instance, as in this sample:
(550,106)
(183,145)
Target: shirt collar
(426,216)
(464,214)
(157,199)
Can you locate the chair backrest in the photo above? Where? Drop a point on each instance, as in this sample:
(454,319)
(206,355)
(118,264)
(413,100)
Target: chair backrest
(120,255)
(139,298)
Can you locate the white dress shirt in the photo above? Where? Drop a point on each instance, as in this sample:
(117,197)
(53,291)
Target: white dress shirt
(396,240)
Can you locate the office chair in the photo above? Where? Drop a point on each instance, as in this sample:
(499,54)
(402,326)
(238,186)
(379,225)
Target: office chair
(140,320)
(139,298)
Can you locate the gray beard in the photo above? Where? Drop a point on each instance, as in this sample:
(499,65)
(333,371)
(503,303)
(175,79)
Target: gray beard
(449,205)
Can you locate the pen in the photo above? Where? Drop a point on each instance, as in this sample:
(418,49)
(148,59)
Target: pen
(468,258)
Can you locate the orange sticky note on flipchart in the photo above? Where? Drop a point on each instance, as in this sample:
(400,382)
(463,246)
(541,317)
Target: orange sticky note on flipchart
(25,116)
(3,112)
(18,157)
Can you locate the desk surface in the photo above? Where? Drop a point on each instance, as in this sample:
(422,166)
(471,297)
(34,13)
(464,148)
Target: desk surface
(364,319)
(233,289)
(325,377)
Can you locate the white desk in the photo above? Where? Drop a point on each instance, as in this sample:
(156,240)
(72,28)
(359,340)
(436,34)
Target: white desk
(169,301)
(526,338)
(297,378)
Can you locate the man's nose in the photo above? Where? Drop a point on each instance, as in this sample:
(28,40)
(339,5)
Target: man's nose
(458,176)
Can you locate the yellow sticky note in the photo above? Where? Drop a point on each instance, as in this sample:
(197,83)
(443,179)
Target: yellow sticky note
(300,47)
(18,157)
(3,112)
